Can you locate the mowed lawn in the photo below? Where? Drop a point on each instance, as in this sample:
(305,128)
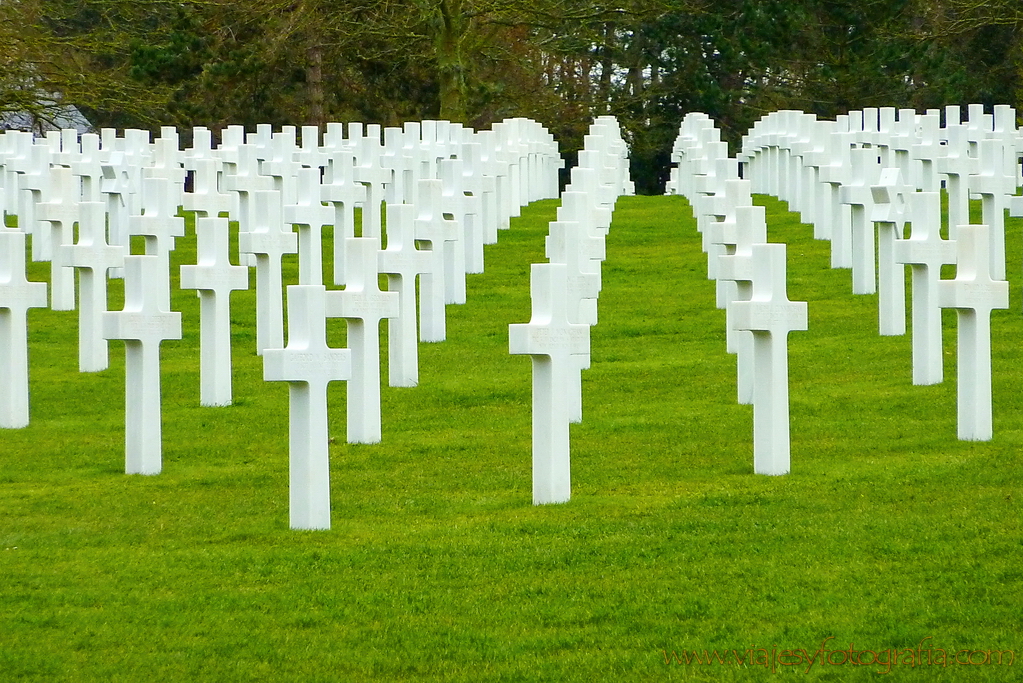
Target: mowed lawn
(889,533)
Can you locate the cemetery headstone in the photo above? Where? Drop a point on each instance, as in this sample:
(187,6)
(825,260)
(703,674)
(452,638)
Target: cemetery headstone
(925,252)
(268,241)
(433,228)
(890,213)
(770,316)
(93,258)
(363,306)
(974,294)
(307,364)
(61,212)
(309,215)
(215,278)
(143,324)
(17,295)
(402,262)
(551,341)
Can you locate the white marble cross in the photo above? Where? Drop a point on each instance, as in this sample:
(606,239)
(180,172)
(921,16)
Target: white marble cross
(956,165)
(245,181)
(582,254)
(890,212)
(17,295)
(363,306)
(143,324)
(434,228)
(737,267)
(34,183)
(473,185)
(283,166)
(307,364)
(402,263)
(856,193)
(835,215)
(925,252)
(206,199)
(770,316)
(93,258)
(309,215)
(373,176)
(568,243)
(581,206)
(120,193)
(453,202)
(159,224)
(61,211)
(268,240)
(995,182)
(585,180)
(925,150)
(215,278)
(310,154)
(88,166)
(343,193)
(551,341)
(719,235)
(394,159)
(495,166)
(974,294)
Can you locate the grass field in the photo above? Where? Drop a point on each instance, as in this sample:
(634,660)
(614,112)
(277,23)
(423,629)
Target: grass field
(888,533)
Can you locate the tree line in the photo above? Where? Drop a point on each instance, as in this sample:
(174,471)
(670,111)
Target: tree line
(147,63)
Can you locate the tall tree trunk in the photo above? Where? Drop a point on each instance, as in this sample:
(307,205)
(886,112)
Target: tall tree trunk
(450,64)
(314,80)
(606,67)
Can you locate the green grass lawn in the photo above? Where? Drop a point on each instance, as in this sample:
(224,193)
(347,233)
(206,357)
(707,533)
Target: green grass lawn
(888,531)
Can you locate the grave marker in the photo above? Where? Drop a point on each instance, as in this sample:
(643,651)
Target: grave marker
(770,316)
(551,341)
(974,294)
(93,258)
(159,225)
(890,213)
(309,215)
(308,365)
(268,241)
(363,306)
(925,252)
(343,193)
(750,229)
(402,263)
(215,278)
(433,228)
(17,295)
(856,193)
(61,212)
(143,324)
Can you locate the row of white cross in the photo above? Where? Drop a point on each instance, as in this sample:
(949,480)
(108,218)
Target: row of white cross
(564,294)
(437,239)
(860,179)
(751,284)
(466,185)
